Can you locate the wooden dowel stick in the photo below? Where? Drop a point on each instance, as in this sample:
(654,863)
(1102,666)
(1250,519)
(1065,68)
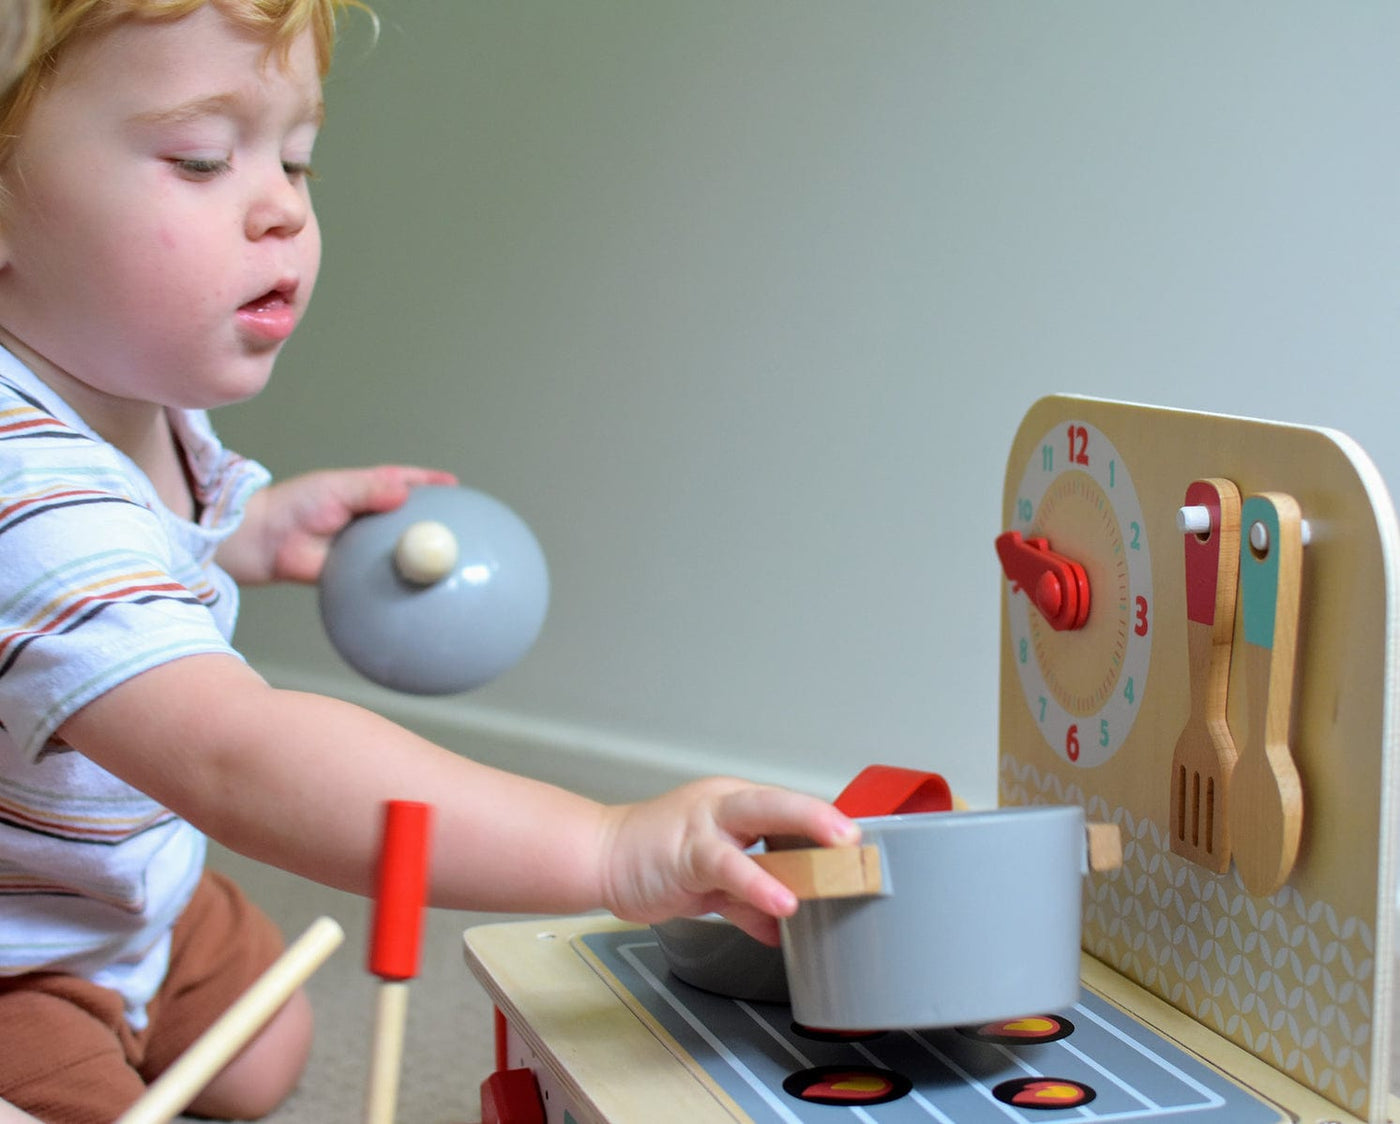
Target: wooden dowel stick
(169,1095)
(386,1052)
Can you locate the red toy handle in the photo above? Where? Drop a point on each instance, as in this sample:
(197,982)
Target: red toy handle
(401,890)
(887,790)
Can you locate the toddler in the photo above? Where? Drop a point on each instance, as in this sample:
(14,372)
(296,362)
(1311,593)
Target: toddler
(157,248)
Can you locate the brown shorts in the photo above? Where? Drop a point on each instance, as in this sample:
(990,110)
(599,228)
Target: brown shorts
(67,1054)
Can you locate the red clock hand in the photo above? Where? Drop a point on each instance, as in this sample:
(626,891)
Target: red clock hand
(1056,585)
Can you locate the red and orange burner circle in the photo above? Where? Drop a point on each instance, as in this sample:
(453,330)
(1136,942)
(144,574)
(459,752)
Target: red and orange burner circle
(847,1085)
(1044,1092)
(1029,1030)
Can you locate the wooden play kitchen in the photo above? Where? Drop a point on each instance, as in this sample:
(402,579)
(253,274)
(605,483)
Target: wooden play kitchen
(1198,623)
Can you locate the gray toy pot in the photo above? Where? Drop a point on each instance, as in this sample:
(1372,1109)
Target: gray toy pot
(977,919)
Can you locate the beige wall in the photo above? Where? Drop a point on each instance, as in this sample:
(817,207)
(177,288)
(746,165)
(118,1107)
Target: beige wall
(739,304)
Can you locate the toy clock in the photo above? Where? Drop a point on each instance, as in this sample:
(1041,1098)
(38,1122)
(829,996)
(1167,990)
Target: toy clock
(1078,541)
(1198,615)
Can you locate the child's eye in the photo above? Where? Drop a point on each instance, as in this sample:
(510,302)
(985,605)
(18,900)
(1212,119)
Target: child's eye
(298,170)
(201,167)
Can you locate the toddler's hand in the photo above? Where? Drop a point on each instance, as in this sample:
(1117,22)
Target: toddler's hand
(682,854)
(288,527)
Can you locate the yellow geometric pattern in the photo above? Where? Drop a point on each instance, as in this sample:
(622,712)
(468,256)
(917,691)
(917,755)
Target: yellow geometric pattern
(1285,978)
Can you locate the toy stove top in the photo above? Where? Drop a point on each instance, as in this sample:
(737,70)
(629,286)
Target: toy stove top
(1092,1062)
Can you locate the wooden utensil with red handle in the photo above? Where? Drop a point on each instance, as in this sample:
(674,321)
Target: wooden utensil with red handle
(1204,759)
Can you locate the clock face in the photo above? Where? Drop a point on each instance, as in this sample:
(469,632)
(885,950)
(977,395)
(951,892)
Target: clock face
(1084,685)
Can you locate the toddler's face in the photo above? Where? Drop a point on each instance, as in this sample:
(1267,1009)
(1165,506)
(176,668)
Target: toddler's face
(159,242)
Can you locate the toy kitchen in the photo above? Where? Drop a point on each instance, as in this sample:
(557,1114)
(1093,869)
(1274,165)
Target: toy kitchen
(1197,649)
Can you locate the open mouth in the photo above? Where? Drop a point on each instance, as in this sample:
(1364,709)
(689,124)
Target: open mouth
(270,301)
(273,314)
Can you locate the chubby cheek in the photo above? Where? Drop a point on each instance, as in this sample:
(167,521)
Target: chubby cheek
(189,246)
(168,279)
(164,285)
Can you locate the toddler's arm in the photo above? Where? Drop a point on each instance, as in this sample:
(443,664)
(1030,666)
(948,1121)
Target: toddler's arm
(287,527)
(297,780)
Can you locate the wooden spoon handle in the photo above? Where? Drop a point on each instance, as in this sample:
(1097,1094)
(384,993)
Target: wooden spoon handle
(1266,812)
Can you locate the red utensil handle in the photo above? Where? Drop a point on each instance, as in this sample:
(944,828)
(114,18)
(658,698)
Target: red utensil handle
(1203,556)
(1213,559)
(401,890)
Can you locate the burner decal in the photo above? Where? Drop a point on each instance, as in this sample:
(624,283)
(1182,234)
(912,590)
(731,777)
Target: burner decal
(1021,1032)
(847,1085)
(1044,1092)
(821,1034)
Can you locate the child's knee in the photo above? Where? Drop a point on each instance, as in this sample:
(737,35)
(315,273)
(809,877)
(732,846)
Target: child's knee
(261,1077)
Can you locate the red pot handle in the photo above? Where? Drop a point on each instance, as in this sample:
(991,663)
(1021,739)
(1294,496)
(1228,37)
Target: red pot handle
(886,790)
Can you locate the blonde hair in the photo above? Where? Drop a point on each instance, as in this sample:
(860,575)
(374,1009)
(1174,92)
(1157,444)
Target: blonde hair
(19,34)
(63,21)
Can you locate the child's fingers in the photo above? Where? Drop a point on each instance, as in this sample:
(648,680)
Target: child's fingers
(741,890)
(756,896)
(701,830)
(745,883)
(386,487)
(756,923)
(753,811)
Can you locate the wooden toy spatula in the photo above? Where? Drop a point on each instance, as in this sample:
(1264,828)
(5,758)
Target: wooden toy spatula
(1204,760)
(1266,799)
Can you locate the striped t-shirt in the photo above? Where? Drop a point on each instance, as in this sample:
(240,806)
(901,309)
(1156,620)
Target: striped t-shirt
(99,581)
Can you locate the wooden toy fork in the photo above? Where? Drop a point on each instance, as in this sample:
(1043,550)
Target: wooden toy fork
(1204,759)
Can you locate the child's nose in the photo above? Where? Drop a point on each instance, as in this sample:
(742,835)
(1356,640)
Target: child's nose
(280,208)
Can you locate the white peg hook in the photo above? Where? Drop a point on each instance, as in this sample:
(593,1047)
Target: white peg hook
(1194,519)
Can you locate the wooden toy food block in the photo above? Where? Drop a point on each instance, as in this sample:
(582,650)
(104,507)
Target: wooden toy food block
(1197,644)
